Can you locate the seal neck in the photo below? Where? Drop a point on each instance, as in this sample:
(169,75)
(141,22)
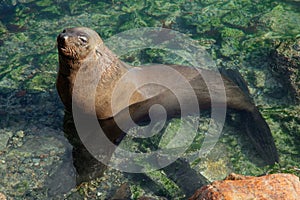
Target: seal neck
(111,67)
(68,66)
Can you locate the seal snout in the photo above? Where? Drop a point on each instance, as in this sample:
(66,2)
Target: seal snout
(62,40)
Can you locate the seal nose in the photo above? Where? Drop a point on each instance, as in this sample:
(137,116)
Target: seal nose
(62,38)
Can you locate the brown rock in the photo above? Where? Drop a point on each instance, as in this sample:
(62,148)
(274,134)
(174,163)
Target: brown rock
(239,187)
(285,66)
(123,192)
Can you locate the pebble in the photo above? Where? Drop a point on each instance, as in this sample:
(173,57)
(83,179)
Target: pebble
(36,161)
(2,196)
(296,47)
(20,134)
(3,141)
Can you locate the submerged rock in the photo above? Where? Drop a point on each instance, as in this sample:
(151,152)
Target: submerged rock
(272,186)
(4,138)
(285,66)
(123,192)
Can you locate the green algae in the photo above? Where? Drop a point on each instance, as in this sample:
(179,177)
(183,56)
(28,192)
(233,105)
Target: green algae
(170,188)
(231,41)
(39,82)
(283,21)
(122,16)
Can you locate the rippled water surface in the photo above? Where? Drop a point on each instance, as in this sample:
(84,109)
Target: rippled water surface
(260,39)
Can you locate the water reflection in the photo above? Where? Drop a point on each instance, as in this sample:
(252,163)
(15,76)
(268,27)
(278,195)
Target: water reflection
(89,168)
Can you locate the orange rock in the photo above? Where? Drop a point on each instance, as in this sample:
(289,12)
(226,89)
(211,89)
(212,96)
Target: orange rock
(239,187)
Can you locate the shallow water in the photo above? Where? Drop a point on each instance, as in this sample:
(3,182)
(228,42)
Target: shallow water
(260,39)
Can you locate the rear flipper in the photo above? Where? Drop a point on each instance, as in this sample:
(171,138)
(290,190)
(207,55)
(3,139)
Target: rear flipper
(260,134)
(256,126)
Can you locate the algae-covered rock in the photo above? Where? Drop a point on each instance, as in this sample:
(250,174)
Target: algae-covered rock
(285,65)
(27,165)
(284,122)
(231,39)
(4,138)
(283,22)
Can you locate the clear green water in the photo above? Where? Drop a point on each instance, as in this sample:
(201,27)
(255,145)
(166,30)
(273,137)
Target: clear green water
(259,38)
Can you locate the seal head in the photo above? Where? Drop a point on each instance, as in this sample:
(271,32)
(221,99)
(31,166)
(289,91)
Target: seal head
(82,50)
(77,43)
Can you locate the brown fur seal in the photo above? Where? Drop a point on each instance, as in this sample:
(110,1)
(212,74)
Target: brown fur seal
(82,48)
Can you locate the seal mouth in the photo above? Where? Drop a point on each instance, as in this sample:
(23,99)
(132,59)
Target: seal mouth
(63,50)
(61,47)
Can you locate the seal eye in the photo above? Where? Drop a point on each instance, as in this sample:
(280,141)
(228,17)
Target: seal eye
(83,39)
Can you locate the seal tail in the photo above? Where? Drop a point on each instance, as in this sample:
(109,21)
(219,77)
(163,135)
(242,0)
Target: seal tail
(259,132)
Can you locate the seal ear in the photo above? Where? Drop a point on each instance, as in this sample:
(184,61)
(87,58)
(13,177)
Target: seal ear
(98,52)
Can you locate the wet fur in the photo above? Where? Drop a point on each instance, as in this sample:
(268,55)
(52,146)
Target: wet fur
(95,57)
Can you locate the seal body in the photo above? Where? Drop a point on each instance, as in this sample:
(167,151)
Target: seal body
(81,50)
